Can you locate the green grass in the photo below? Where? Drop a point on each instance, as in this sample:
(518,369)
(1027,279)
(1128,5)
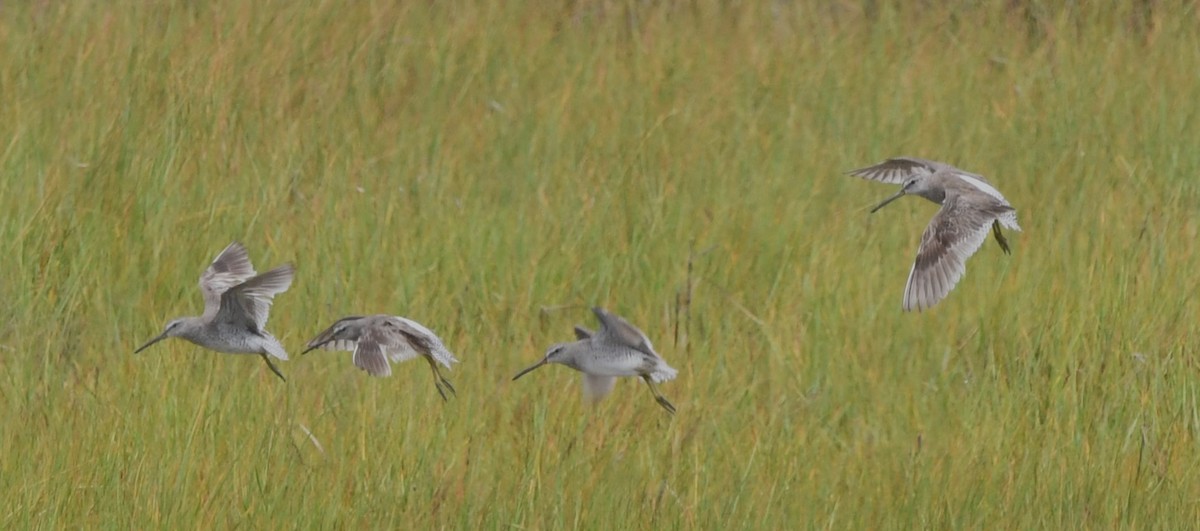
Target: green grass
(472,163)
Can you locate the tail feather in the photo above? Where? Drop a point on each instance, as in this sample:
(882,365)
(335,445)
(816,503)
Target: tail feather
(663,373)
(1009,220)
(443,355)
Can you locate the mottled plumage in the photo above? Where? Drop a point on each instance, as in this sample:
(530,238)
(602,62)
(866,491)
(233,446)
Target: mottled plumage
(237,302)
(970,207)
(377,338)
(616,349)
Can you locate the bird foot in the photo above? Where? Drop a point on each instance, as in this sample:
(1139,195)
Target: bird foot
(662,401)
(274,369)
(1000,238)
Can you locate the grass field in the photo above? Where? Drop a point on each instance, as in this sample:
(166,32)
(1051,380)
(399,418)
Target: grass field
(490,169)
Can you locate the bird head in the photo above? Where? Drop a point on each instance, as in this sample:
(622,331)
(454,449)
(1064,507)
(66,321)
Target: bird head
(554,354)
(174,327)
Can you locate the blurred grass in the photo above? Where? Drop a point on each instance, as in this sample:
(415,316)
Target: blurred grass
(469,164)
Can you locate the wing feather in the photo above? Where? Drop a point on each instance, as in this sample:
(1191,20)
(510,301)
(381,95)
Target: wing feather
(618,331)
(582,333)
(230,268)
(249,303)
(596,387)
(897,170)
(370,357)
(954,234)
(404,339)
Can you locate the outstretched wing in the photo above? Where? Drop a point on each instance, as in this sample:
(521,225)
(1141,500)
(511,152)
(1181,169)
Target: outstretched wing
(249,303)
(404,339)
(618,331)
(230,268)
(355,334)
(954,234)
(369,356)
(899,169)
(596,387)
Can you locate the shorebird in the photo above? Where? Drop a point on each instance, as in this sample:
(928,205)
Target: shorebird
(616,349)
(970,206)
(236,303)
(376,338)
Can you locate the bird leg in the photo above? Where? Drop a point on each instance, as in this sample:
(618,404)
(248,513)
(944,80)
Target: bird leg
(1000,237)
(662,400)
(272,366)
(440,381)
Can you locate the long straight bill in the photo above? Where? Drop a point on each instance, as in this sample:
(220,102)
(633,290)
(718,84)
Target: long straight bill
(160,337)
(315,346)
(530,368)
(888,200)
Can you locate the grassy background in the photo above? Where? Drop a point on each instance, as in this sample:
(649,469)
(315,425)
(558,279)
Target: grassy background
(471,164)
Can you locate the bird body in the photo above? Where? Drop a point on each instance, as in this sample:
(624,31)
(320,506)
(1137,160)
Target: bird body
(599,358)
(617,349)
(237,303)
(970,207)
(232,339)
(375,339)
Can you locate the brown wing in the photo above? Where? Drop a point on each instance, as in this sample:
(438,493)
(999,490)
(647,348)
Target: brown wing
(404,339)
(954,234)
(596,387)
(614,329)
(250,301)
(369,356)
(230,268)
(898,170)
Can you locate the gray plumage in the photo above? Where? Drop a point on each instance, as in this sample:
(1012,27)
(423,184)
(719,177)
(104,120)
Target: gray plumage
(595,387)
(970,207)
(377,338)
(237,302)
(616,349)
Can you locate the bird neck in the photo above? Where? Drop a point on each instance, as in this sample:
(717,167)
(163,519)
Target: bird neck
(936,195)
(188,327)
(571,352)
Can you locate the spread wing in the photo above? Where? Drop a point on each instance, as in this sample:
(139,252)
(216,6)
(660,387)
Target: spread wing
(249,303)
(404,339)
(369,356)
(898,170)
(359,335)
(597,387)
(618,331)
(230,268)
(954,234)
